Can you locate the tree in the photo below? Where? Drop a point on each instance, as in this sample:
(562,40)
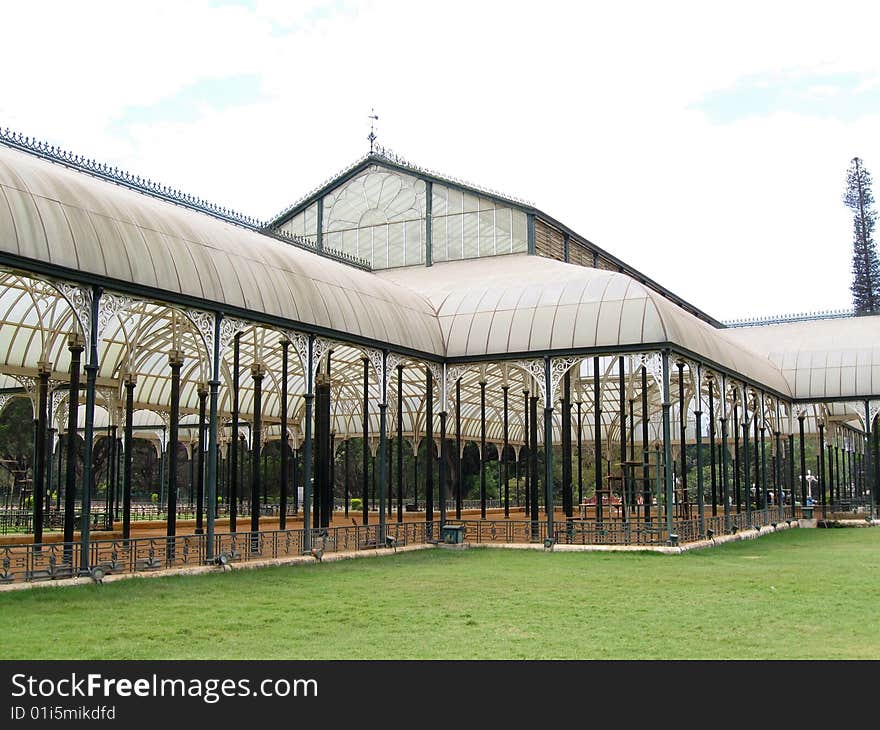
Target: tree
(866,267)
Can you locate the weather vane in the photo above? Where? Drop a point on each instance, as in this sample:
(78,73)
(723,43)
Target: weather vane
(373,117)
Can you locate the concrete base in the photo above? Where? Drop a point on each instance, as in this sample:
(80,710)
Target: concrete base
(454,546)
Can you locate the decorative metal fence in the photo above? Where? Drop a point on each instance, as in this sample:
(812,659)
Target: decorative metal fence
(52,561)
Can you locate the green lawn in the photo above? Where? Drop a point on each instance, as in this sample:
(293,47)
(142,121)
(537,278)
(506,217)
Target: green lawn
(795,594)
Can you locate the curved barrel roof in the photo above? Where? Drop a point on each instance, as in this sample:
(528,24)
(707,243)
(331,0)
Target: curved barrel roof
(52,214)
(527,304)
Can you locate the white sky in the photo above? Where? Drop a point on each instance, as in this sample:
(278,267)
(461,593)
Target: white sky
(706,144)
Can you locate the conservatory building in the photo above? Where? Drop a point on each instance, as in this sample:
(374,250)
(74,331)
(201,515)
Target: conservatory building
(322,380)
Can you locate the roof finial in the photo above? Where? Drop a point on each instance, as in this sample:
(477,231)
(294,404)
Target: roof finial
(373,117)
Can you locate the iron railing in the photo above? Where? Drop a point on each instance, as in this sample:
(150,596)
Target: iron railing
(52,561)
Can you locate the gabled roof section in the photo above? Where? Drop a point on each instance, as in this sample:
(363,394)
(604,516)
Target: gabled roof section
(389,159)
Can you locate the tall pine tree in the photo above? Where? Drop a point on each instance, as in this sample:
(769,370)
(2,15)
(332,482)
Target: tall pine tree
(865,265)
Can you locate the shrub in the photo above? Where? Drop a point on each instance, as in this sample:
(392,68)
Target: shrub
(355,504)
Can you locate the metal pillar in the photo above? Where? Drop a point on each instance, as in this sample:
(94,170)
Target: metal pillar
(527,476)
(597,437)
(400,443)
(213,441)
(89,435)
(548,447)
(75,348)
(580,426)
(365,504)
(667,443)
(746,454)
(482,450)
(725,457)
(285,439)
(869,474)
(712,465)
(320,516)
(764,500)
(175,361)
(347,469)
(625,484)
(565,438)
(646,467)
(458,467)
(533,462)
(442,470)
(505,446)
(698,434)
(307,447)
(39,492)
(234,476)
(682,430)
(822,468)
(429,446)
(127,457)
(383,445)
(200,477)
(736,461)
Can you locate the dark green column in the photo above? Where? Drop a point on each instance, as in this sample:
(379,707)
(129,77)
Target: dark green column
(175,361)
(667,443)
(548,447)
(682,431)
(284,476)
(745,458)
(307,448)
(400,443)
(822,468)
(764,500)
(127,457)
(429,446)
(459,473)
(383,445)
(869,474)
(482,450)
(580,446)
(625,482)
(75,348)
(712,464)
(736,461)
(234,475)
(597,437)
(646,463)
(89,435)
(321,517)
(698,434)
(565,438)
(527,476)
(39,491)
(803,454)
(200,476)
(213,440)
(442,469)
(504,448)
(365,455)
(533,463)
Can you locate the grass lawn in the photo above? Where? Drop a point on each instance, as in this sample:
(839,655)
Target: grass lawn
(794,594)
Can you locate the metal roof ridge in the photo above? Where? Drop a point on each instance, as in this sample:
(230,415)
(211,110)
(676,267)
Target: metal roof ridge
(33,146)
